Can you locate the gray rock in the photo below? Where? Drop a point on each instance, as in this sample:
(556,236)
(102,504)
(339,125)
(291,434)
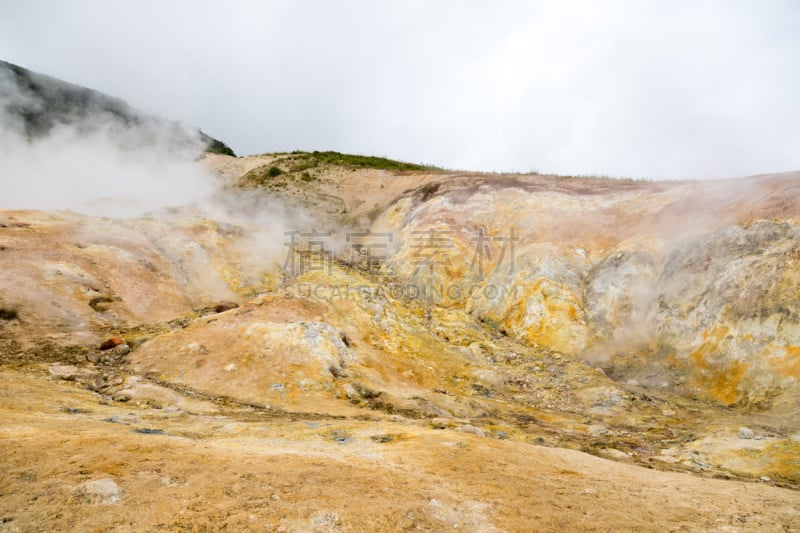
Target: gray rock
(124,418)
(469,428)
(746,433)
(122,349)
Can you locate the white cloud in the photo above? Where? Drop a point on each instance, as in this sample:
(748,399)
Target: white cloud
(657,89)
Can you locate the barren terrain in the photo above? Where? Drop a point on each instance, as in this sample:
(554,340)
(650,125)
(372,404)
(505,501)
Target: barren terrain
(632,364)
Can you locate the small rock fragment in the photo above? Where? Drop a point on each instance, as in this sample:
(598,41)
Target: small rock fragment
(440,423)
(351,393)
(746,433)
(122,349)
(149,431)
(339,435)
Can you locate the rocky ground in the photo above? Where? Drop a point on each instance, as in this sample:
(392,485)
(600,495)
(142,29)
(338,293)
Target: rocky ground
(524,353)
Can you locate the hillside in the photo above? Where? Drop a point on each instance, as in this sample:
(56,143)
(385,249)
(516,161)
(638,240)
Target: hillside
(389,346)
(39,103)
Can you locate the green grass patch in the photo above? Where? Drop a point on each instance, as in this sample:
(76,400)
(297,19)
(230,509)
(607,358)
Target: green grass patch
(302,161)
(365,161)
(296,166)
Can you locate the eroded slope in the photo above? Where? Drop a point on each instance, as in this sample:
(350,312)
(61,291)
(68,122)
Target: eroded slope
(652,324)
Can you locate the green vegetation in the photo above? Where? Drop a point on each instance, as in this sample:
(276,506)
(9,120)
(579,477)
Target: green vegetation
(362,161)
(215,146)
(304,165)
(299,161)
(297,166)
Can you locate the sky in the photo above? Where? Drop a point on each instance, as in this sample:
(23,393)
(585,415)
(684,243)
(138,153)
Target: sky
(669,89)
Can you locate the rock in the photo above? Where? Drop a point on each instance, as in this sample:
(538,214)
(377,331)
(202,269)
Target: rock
(101,491)
(746,433)
(221,307)
(339,435)
(596,430)
(124,418)
(111,343)
(100,304)
(469,428)
(84,376)
(66,372)
(122,350)
(150,431)
(93,357)
(351,393)
(441,423)
(337,372)
(356,392)
(666,458)
(91,380)
(612,453)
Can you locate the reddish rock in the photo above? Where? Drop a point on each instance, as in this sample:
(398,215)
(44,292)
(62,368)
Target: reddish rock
(111,343)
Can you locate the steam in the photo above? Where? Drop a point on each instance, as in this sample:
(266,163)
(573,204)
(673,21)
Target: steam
(97,165)
(127,165)
(95,175)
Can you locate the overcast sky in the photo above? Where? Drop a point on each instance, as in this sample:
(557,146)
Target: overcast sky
(659,89)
